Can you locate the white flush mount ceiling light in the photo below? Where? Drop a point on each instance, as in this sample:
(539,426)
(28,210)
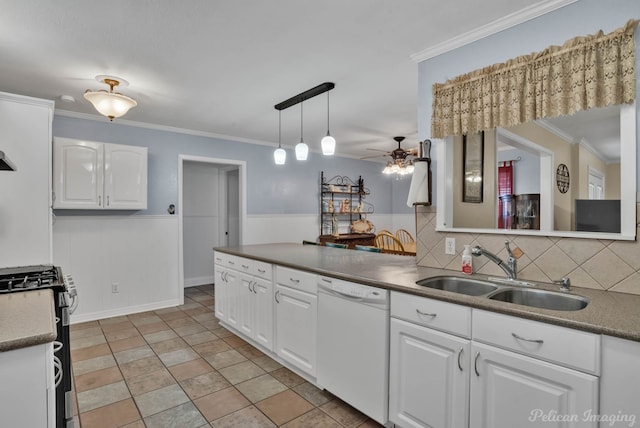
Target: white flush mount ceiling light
(279,155)
(110,104)
(328,143)
(302,150)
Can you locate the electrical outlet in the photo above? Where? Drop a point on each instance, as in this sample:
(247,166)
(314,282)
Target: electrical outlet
(450,246)
(115,287)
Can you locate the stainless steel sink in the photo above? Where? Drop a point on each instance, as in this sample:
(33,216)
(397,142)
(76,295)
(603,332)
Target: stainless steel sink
(456,284)
(542,299)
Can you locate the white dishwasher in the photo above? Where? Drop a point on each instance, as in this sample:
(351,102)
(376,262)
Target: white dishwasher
(353,345)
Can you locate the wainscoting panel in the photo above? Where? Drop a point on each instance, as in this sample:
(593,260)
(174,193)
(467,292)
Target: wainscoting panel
(120,264)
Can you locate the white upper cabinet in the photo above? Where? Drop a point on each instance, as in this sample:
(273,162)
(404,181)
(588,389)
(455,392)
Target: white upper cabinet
(91,175)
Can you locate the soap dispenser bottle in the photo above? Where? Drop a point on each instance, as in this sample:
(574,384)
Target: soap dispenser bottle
(467,260)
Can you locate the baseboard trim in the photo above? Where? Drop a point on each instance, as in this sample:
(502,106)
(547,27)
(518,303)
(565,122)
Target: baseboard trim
(128,310)
(201,280)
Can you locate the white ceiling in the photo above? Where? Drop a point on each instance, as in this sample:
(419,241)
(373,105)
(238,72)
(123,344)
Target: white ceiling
(219,67)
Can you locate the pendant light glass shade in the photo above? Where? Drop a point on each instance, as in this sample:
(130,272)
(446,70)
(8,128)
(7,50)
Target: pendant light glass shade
(302,150)
(279,155)
(328,143)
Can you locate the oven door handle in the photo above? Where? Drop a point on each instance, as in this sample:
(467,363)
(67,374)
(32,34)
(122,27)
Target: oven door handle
(58,374)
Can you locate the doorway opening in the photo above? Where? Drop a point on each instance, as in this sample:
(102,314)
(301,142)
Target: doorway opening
(211,213)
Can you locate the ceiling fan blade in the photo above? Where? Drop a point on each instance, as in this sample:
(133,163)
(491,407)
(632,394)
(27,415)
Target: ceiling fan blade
(378,150)
(375,156)
(413,152)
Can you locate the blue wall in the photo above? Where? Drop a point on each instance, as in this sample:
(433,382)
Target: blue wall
(577,19)
(271,189)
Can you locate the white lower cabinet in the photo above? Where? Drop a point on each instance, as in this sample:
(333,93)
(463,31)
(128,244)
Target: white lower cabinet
(428,377)
(296,317)
(512,390)
(27,398)
(244,301)
(255,303)
(512,373)
(620,382)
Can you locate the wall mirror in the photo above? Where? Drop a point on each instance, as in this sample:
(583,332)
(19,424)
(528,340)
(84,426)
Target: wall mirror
(572,176)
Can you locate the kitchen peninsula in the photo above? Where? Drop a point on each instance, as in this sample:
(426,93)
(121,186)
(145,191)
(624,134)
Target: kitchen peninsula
(272,295)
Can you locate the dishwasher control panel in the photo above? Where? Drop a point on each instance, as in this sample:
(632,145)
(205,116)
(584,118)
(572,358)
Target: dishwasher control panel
(351,289)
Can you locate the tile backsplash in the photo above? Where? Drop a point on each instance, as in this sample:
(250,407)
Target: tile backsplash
(592,263)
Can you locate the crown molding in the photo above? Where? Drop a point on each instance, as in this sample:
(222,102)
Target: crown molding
(496,26)
(185,131)
(165,128)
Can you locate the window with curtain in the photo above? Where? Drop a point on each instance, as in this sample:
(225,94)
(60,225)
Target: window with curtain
(591,71)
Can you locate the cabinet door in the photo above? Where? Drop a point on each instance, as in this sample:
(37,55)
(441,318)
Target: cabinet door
(125,172)
(220,289)
(620,381)
(512,390)
(263,313)
(78,174)
(233,298)
(428,377)
(296,314)
(245,301)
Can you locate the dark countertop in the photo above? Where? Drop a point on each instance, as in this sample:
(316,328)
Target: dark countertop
(611,313)
(27,318)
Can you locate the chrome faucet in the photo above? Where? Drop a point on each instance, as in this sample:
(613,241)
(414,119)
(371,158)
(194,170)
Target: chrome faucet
(510,267)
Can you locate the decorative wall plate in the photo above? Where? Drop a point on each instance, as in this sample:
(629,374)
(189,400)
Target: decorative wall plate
(562,178)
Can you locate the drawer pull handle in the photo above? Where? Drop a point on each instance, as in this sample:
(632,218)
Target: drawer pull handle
(295,281)
(261,270)
(460,355)
(245,266)
(425,314)
(540,341)
(328,281)
(276,296)
(231,263)
(475,364)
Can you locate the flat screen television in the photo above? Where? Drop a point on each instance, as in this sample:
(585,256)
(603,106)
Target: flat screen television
(598,215)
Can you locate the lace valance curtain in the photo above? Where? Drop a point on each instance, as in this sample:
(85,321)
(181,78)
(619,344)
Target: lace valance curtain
(591,71)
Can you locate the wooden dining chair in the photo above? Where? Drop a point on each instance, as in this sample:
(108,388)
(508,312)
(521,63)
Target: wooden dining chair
(385,231)
(388,243)
(404,236)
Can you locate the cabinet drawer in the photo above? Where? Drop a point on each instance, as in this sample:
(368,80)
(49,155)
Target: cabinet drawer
(297,279)
(261,269)
(443,316)
(561,345)
(221,258)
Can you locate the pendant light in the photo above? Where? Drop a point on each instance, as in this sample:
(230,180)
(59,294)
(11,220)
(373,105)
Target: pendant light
(328,143)
(279,155)
(302,150)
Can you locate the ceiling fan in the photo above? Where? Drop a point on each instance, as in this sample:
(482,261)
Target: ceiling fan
(400,164)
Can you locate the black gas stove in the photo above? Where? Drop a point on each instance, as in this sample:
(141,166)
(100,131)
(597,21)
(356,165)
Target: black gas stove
(26,278)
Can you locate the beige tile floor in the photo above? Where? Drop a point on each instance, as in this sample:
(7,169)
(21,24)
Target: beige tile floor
(177,367)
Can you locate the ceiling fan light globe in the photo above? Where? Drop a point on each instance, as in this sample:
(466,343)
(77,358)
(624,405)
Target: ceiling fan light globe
(328,144)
